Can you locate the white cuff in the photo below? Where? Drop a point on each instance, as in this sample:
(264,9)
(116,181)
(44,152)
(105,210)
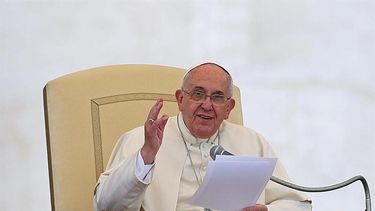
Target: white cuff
(143,172)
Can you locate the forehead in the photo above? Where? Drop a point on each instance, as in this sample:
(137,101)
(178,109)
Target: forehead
(210,77)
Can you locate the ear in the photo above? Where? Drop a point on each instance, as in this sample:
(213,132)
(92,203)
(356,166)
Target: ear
(179,96)
(229,108)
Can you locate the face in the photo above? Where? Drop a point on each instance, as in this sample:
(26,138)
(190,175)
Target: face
(203,118)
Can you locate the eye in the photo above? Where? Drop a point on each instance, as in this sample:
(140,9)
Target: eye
(217,98)
(198,94)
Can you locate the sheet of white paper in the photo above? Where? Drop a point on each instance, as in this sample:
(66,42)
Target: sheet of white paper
(233,182)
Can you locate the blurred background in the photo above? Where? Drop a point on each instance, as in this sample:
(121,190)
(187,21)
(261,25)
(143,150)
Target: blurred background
(306,69)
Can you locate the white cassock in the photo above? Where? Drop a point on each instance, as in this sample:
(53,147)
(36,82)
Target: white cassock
(172,180)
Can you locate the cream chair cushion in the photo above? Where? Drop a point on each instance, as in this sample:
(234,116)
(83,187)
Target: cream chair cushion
(85,113)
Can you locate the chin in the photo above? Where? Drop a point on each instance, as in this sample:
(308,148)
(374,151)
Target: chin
(204,134)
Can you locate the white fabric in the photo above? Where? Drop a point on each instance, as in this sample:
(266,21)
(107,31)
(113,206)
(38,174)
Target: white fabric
(199,150)
(119,188)
(142,170)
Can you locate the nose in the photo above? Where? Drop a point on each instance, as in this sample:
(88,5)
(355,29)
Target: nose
(207,104)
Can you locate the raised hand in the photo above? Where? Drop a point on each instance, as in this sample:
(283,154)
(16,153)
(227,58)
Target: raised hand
(154,129)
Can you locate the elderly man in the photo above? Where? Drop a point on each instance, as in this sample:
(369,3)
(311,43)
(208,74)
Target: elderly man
(159,166)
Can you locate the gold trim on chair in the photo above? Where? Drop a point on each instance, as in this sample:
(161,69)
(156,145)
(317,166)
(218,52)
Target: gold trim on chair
(95,115)
(48,142)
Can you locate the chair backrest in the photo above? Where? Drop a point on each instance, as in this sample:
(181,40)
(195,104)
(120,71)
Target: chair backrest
(85,113)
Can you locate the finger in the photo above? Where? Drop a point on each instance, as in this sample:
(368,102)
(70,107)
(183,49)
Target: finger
(154,111)
(163,121)
(160,123)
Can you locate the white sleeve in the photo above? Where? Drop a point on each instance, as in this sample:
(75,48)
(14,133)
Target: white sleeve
(143,172)
(118,187)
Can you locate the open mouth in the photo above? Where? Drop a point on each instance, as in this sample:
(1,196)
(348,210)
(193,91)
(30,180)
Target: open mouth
(204,116)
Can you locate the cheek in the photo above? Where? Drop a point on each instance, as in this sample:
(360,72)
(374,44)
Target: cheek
(180,108)
(223,113)
(192,108)
(184,105)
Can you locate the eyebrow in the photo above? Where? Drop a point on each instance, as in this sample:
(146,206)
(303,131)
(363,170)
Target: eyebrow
(199,88)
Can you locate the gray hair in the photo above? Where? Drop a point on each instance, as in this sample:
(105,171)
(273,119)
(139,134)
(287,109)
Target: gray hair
(188,73)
